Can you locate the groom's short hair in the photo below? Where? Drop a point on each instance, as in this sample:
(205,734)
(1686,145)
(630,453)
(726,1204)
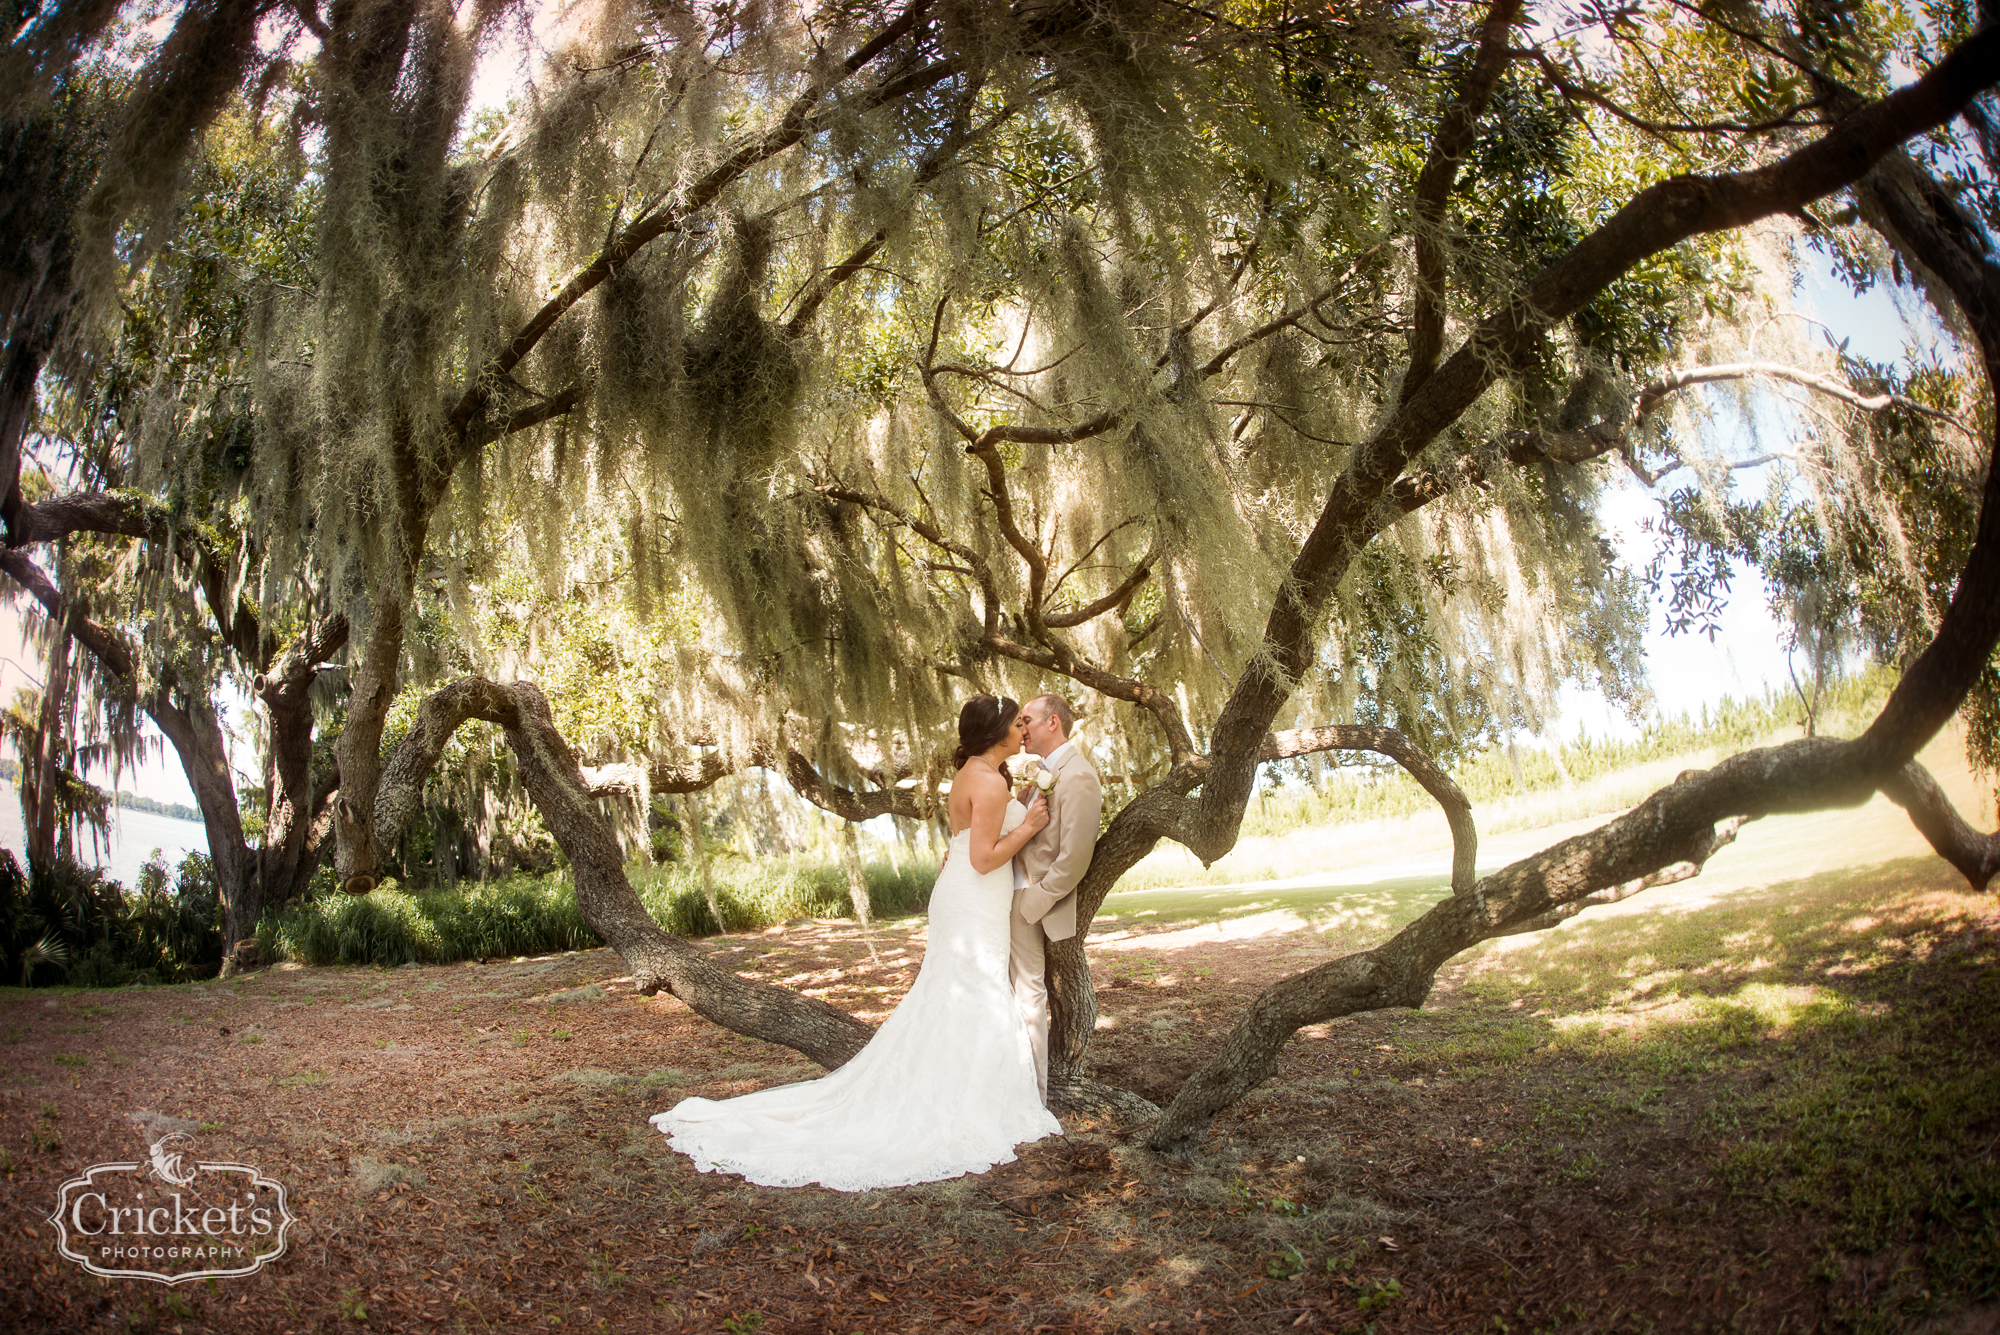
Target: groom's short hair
(1058,706)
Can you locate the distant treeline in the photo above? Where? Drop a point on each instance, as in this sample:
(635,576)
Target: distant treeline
(134,802)
(10,772)
(1379,791)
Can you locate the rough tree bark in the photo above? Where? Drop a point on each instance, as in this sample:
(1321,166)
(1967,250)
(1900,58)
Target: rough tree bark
(296,800)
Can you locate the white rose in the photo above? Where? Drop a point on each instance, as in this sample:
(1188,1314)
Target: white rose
(1045,778)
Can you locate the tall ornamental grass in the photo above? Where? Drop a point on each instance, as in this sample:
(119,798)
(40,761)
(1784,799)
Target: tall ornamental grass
(525,915)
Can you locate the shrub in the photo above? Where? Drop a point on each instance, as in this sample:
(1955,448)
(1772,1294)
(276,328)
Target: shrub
(59,919)
(534,915)
(177,920)
(389,926)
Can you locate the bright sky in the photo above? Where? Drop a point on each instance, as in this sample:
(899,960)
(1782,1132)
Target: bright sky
(1746,655)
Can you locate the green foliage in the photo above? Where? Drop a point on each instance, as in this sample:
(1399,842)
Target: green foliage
(1374,1297)
(776,890)
(177,922)
(72,922)
(538,915)
(391,927)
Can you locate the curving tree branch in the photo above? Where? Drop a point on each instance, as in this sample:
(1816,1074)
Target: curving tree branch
(1976,855)
(556,785)
(1360,503)
(1414,760)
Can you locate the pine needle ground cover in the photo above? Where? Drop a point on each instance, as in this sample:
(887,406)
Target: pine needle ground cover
(1764,1099)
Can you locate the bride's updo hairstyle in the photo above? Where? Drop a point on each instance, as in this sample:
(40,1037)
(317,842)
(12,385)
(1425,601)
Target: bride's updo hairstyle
(982,725)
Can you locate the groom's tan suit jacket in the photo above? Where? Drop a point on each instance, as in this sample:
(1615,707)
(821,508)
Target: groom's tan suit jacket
(1056,856)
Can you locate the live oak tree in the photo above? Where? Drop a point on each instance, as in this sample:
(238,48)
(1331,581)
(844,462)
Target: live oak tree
(148,585)
(1251,377)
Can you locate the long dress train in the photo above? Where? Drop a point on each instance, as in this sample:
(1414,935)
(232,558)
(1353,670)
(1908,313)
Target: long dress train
(946,1086)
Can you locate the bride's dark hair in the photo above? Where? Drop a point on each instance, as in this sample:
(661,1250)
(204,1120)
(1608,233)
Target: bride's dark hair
(983,723)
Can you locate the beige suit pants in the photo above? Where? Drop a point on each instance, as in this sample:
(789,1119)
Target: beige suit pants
(1027,971)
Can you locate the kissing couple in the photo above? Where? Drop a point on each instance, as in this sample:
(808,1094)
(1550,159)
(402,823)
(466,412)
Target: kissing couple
(958,1075)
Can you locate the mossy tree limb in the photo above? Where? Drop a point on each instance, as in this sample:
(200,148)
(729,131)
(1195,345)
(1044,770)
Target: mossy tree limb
(901,50)
(1364,500)
(1672,833)
(613,909)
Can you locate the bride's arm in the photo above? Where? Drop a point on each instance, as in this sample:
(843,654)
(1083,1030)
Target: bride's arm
(989,848)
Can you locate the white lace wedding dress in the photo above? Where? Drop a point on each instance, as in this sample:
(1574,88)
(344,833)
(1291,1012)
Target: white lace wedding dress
(946,1086)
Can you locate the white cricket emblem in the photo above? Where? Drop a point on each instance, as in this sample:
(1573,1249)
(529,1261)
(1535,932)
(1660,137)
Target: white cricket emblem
(167,1152)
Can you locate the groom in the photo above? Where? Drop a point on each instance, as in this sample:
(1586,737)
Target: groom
(1049,866)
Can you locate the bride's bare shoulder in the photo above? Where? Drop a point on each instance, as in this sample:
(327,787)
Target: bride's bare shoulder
(978,779)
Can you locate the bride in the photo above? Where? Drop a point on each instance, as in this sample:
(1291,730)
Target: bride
(947,1084)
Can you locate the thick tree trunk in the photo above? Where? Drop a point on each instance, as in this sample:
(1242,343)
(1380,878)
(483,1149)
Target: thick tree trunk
(358,752)
(1132,834)
(195,732)
(20,369)
(48,759)
(293,796)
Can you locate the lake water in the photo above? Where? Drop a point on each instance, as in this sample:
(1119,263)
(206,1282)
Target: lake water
(134,836)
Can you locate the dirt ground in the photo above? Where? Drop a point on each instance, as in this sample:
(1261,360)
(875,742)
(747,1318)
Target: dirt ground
(466,1148)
